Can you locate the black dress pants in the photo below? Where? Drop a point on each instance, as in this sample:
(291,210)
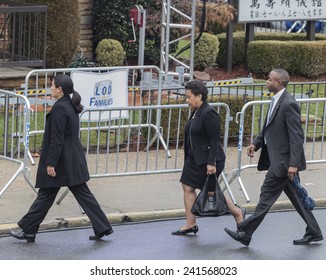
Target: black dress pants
(270,192)
(30,223)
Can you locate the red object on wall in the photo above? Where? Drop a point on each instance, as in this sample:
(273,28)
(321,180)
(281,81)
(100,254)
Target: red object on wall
(136,16)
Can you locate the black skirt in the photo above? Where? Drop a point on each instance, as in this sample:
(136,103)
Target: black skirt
(195,176)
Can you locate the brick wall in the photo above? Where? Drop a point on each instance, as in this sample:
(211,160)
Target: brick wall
(86,29)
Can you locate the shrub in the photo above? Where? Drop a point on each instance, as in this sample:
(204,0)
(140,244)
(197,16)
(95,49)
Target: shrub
(312,59)
(109,52)
(301,58)
(206,51)
(238,49)
(111,20)
(239,43)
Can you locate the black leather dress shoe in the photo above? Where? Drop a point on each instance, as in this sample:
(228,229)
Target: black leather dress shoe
(307,239)
(193,229)
(21,235)
(99,236)
(239,236)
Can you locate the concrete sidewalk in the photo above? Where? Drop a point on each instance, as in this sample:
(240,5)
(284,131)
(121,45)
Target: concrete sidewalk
(139,198)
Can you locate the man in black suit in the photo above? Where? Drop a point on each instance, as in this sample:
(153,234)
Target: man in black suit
(281,140)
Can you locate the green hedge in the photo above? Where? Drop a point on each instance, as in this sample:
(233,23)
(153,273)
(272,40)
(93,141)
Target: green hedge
(239,43)
(300,58)
(238,48)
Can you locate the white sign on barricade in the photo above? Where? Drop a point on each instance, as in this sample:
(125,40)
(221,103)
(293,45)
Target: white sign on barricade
(277,10)
(102,91)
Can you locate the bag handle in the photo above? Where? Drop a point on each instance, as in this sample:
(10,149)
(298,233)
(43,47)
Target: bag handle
(205,188)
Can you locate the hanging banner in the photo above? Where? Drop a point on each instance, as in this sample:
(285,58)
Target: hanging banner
(102,91)
(278,10)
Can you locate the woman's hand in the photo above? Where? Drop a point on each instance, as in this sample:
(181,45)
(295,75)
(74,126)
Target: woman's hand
(211,169)
(50,170)
(251,150)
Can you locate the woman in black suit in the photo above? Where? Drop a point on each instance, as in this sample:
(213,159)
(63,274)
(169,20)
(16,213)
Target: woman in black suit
(62,163)
(203,154)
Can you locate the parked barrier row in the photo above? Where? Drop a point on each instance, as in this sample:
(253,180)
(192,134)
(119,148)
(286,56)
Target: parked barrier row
(143,138)
(14,129)
(252,115)
(136,145)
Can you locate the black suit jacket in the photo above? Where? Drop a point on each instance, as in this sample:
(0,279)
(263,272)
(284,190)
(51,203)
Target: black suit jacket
(61,148)
(284,138)
(204,136)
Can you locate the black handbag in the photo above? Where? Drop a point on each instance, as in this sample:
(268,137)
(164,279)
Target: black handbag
(210,205)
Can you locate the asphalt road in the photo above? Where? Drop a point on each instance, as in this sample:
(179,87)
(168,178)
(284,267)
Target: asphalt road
(153,241)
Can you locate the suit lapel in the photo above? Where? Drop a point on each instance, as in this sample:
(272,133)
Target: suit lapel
(277,106)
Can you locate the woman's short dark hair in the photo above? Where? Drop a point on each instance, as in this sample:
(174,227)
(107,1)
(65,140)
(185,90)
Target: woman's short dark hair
(197,88)
(67,85)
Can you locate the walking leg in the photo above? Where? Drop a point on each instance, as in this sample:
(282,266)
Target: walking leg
(92,208)
(30,223)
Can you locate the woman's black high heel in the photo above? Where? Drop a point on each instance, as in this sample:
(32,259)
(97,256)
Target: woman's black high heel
(193,229)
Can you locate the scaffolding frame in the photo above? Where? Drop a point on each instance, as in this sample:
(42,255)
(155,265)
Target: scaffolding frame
(189,27)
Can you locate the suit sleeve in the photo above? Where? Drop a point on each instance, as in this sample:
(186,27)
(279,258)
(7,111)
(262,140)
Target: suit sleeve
(57,134)
(212,124)
(259,140)
(295,133)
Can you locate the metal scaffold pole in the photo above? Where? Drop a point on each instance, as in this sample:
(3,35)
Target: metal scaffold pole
(188,24)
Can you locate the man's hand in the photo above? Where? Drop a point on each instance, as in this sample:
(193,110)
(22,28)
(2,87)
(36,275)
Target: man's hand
(251,150)
(291,172)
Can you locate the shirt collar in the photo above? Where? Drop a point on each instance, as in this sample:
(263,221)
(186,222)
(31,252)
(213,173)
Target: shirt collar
(278,95)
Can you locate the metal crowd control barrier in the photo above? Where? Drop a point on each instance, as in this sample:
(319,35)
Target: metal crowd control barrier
(115,148)
(313,116)
(253,91)
(14,127)
(38,82)
(145,88)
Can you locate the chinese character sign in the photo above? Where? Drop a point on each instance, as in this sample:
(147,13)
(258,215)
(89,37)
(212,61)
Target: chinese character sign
(277,10)
(102,91)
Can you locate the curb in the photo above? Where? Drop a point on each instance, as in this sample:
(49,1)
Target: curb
(120,218)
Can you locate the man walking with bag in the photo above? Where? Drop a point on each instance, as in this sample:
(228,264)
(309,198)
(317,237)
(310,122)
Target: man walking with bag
(281,141)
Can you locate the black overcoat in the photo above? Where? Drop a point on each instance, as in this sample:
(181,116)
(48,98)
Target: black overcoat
(61,148)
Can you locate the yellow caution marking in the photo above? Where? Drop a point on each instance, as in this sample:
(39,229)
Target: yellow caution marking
(268,94)
(31,91)
(227,83)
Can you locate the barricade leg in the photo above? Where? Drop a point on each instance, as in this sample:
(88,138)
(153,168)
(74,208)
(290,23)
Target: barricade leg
(20,170)
(227,187)
(159,135)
